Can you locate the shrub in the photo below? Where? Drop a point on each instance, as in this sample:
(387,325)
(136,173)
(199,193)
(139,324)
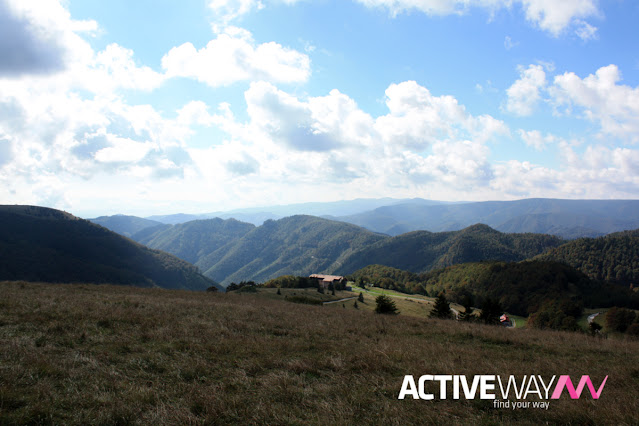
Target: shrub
(619,319)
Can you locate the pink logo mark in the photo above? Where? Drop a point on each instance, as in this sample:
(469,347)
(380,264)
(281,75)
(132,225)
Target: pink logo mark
(575,394)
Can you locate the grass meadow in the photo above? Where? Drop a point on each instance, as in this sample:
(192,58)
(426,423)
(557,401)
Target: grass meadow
(86,354)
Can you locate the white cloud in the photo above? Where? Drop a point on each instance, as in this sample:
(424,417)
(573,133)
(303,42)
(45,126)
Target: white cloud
(461,165)
(555,16)
(39,37)
(536,140)
(509,43)
(417,118)
(123,150)
(585,31)
(119,70)
(524,94)
(549,15)
(600,98)
(319,124)
(227,11)
(232,57)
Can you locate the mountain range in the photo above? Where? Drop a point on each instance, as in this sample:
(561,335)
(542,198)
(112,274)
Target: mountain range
(231,251)
(42,244)
(45,244)
(564,218)
(569,219)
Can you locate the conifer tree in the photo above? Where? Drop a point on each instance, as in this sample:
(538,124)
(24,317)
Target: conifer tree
(441,308)
(385,305)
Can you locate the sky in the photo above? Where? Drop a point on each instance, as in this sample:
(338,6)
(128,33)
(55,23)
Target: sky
(157,107)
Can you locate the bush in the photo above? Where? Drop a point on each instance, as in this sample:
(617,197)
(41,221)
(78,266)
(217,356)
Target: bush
(619,319)
(633,330)
(304,299)
(552,315)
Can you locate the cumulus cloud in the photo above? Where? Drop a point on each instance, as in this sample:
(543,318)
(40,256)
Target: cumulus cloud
(319,124)
(38,38)
(524,94)
(116,68)
(233,56)
(417,118)
(555,17)
(600,98)
(549,15)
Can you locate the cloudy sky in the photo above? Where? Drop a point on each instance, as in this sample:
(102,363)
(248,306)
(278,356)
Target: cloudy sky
(156,106)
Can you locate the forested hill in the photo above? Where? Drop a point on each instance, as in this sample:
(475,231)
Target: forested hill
(613,258)
(421,251)
(194,240)
(41,244)
(298,245)
(521,288)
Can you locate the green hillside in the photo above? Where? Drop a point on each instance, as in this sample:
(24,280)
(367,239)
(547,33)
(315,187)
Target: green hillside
(194,240)
(41,244)
(523,287)
(296,245)
(520,287)
(421,251)
(613,258)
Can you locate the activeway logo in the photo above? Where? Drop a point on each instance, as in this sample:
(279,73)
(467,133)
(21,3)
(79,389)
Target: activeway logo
(487,386)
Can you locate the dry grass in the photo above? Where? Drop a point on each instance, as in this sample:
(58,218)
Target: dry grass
(83,354)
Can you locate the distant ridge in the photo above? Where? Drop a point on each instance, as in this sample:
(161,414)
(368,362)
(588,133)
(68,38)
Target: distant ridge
(42,244)
(125,225)
(564,218)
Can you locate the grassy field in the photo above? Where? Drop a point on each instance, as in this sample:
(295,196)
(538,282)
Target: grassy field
(84,354)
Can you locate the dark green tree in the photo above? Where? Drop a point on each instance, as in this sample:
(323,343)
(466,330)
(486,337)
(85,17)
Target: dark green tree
(441,308)
(490,311)
(467,315)
(385,305)
(360,298)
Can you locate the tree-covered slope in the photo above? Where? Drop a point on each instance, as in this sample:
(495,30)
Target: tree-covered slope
(125,225)
(296,245)
(422,251)
(194,240)
(521,288)
(41,244)
(613,258)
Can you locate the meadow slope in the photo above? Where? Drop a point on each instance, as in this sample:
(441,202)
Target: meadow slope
(85,354)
